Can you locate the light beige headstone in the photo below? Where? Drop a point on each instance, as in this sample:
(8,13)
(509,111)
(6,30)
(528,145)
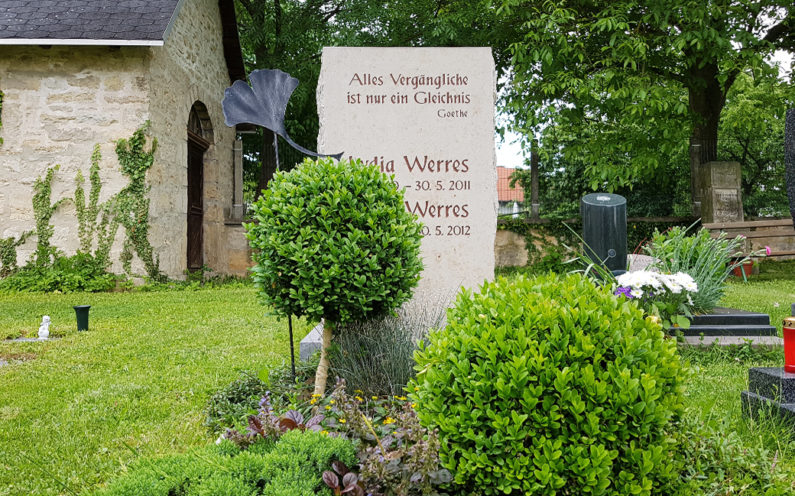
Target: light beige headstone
(425,115)
(722,192)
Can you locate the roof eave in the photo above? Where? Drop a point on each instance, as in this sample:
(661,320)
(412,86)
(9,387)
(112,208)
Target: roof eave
(78,42)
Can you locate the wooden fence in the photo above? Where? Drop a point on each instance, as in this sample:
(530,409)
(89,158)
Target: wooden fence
(778,234)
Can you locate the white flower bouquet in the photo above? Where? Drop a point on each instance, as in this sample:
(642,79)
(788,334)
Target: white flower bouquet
(667,296)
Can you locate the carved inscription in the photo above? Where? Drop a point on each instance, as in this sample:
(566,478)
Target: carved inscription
(426,117)
(425,178)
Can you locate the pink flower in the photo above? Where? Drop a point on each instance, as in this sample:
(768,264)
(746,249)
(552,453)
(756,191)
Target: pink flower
(767,251)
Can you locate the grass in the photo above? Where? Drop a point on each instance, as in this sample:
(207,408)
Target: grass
(75,411)
(719,375)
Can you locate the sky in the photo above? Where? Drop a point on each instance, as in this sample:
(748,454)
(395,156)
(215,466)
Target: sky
(509,152)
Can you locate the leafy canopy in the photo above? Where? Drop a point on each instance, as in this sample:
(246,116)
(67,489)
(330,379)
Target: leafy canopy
(638,72)
(333,240)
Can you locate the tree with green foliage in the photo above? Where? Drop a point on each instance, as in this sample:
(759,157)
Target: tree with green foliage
(637,72)
(752,133)
(333,240)
(290,35)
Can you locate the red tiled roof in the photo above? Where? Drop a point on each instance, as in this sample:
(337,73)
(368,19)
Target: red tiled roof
(504,192)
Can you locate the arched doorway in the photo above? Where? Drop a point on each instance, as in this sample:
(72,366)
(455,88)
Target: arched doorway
(199,140)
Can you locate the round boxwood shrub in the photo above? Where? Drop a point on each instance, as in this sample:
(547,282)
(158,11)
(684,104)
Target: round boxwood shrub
(550,386)
(333,240)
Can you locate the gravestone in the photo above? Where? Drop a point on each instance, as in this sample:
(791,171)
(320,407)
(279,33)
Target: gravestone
(721,196)
(770,389)
(425,115)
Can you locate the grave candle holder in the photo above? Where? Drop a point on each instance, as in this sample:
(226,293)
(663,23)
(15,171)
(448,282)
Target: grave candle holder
(81,312)
(789,344)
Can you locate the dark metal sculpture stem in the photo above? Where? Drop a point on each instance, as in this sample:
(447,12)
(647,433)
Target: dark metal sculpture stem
(264,104)
(289,317)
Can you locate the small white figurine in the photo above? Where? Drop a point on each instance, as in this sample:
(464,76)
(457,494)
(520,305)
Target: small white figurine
(44,328)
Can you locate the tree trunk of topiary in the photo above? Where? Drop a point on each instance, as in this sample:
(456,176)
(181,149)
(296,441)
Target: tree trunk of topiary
(321,376)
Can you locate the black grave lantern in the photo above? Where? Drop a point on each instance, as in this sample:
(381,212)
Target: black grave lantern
(604,229)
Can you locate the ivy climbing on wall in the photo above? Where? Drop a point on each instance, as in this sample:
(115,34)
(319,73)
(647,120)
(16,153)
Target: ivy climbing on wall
(8,253)
(132,203)
(90,224)
(97,223)
(43,211)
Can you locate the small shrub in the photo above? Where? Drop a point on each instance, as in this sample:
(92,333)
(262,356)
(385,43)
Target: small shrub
(80,272)
(550,385)
(397,455)
(333,240)
(377,356)
(292,466)
(234,402)
(707,260)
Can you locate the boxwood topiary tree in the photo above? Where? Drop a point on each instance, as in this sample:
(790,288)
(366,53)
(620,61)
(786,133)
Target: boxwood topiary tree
(550,386)
(333,240)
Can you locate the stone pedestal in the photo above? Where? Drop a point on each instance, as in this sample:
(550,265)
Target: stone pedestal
(721,194)
(770,389)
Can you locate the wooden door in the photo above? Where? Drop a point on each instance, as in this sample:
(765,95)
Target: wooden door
(196,149)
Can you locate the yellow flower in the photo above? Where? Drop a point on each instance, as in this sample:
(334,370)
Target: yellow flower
(325,433)
(389,420)
(416,388)
(400,398)
(358,391)
(342,421)
(316,395)
(331,402)
(374,397)
(359,398)
(413,405)
(313,401)
(328,407)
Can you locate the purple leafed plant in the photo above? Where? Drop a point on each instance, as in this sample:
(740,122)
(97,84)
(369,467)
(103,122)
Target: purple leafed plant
(342,481)
(267,425)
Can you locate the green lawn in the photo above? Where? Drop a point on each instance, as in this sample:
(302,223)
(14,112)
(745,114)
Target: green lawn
(73,410)
(719,375)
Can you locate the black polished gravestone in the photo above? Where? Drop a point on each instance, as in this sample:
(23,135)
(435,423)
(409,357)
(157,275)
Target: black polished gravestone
(772,390)
(604,229)
(728,322)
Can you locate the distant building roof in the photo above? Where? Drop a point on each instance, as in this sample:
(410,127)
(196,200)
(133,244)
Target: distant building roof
(504,191)
(106,23)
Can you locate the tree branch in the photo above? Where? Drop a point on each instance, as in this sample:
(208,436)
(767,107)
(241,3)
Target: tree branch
(779,30)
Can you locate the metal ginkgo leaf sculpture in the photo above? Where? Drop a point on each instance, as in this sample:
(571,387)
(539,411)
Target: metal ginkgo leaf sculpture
(264,104)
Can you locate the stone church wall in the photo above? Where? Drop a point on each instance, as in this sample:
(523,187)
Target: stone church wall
(59,102)
(191,68)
